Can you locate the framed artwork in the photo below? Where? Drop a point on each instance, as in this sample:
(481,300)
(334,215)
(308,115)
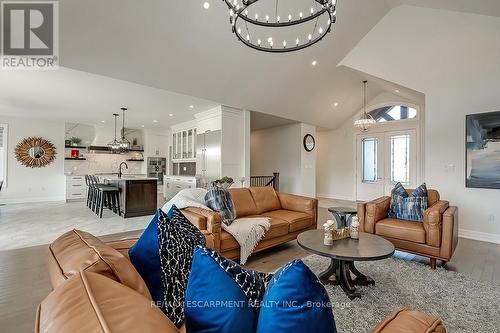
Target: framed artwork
(483,150)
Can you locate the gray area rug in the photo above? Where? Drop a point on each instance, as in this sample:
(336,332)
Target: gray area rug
(464,304)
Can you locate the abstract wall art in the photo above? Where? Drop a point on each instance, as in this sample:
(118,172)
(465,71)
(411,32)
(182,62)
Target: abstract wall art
(483,150)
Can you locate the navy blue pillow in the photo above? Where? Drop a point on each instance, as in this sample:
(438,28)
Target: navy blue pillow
(221,295)
(145,256)
(296,301)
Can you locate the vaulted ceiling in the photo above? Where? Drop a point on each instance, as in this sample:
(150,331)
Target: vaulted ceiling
(181,47)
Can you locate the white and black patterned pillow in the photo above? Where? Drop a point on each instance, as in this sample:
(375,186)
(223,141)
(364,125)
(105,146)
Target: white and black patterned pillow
(177,239)
(252,283)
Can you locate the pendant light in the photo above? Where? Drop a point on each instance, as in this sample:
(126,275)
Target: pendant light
(115,145)
(124,143)
(366,121)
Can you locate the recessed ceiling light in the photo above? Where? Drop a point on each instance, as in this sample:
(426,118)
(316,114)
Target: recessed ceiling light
(314,63)
(170,114)
(155,121)
(143,126)
(336,104)
(206,5)
(397,90)
(103,121)
(191,106)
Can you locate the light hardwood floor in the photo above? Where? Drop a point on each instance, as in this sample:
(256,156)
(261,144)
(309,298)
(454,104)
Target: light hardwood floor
(24,280)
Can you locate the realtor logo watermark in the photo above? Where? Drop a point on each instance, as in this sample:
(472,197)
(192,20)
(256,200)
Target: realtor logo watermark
(29,35)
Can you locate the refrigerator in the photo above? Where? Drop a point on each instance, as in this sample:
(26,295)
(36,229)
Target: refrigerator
(208,156)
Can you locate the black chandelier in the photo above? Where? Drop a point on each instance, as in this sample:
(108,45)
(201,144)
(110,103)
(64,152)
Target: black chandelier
(245,20)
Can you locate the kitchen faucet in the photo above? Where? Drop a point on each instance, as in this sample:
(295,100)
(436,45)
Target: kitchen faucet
(120,173)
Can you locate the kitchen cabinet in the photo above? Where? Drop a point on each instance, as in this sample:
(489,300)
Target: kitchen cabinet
(184,145)
(174,184)
(76,188)
(156,145)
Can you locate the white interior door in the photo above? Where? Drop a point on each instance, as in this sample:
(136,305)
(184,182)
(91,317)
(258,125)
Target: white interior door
(383,159)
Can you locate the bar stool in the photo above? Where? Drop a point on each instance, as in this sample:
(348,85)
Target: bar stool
(108,196)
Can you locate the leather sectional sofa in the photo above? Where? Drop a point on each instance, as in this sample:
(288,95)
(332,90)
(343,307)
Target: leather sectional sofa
(290,215)
(436,237)
(97,289)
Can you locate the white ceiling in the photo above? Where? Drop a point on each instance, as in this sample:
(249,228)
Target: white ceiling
(75,96)
(181,47)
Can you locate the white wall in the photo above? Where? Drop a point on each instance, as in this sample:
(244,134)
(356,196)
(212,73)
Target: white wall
(336,171)
(38,184)
(280,149)
(454,59)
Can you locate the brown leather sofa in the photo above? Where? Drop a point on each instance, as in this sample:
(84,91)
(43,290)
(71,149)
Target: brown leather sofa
(436,237)
(290,215)
(98,290)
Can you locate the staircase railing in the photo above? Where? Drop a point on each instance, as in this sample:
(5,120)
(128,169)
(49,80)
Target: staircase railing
(274,181)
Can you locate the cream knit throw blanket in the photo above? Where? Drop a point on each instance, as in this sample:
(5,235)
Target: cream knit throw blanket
(248,232)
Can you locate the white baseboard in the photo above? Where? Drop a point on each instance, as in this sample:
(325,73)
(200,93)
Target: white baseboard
(10,201)
(480,236)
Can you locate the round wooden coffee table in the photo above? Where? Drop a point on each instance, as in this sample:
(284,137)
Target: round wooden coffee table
(343,253)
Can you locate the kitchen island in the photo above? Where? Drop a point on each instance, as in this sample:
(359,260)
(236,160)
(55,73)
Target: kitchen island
(138,194)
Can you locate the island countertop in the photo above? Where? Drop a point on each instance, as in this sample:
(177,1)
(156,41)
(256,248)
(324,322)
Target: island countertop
(125,177)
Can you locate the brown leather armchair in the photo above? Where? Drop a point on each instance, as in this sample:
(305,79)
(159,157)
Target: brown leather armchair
(436,237)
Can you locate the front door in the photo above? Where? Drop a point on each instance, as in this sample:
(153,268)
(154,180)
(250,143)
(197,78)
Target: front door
(382,160)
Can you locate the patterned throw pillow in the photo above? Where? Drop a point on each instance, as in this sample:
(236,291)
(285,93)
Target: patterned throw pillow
(408,207)
(231,304)
(177,240)
(220,200)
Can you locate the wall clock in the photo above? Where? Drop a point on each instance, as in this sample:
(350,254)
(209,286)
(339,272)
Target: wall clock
(309,142)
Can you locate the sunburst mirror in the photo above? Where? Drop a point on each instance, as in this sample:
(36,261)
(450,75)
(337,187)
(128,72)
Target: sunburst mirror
(35,152)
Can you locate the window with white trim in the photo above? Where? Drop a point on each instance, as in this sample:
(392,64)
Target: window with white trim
(3,153)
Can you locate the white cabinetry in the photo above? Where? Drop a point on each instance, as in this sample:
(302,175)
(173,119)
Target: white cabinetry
(184,142)
(174,184)
(156,145)
(76,189)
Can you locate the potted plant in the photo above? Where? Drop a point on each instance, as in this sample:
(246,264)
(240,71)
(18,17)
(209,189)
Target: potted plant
(75,141)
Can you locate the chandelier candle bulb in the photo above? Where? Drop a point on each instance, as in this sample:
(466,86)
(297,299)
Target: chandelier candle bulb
(310,37)
(320,30)
(278,19)
(312,10)
(284,43)
(289,17)
(258,42)
(267,18)
(300,15)
(256,17)
(297,41)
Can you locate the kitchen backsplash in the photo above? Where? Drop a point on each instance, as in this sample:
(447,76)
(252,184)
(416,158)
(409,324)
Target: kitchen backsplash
(103,163)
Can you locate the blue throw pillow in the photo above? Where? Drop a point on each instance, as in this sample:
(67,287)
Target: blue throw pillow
(163,256)
(221,295)
(296,301)
(145,256)
(408,207)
